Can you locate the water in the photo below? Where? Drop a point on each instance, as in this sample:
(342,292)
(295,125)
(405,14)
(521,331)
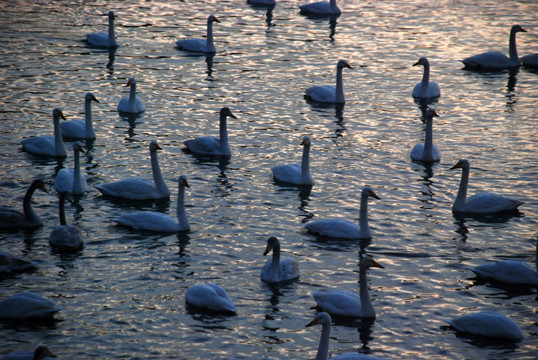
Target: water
(123,295)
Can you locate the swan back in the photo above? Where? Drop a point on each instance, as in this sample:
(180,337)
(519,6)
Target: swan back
(211,297)
(27,305)
(487,323)
(321,8)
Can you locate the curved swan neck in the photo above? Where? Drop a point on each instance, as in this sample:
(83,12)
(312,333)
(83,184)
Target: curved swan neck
(158,179)
(77,178)
(363,220)
(462,191)
(323,347)
(181,214)
(27,205)
(305,162)
(512,50)
(367,309)
(132,98)
(63,221)
(111,32)
(427,154)
(223,133)
(88,119)
(210,47)
(426,75)
(58,141)
(339,86)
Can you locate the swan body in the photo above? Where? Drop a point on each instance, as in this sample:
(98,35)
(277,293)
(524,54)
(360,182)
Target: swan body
(328,93)
(262,2)
(495,60)
(530,60)
(348,304)
(200,45)
(344,229)
(296,174)
(10,264)
(138,188)
(47,145)
(321,8)
(72,180)
(427,151)
(278,269)
(101,39)
(66,238)
(426,89)
(482,203)
(210,297)
(487,323)
(213,146)
(131,104)
(27,305)
(14,219)
(81,129)
(40,353)
(159,222)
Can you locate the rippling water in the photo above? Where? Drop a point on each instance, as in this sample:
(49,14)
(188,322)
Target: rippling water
(123,295)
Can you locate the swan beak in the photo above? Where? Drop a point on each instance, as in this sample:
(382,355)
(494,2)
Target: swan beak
(43,188)
(417,63)
(378,265)
(457,166)
(434,113)
(313,322)
(157,147)
(217,20)
(186,183)
(267,249)
(62,115)
(129,83)
(69,198)
(348,66)
(94,99)
(523,30)
(80,148)
(373,194)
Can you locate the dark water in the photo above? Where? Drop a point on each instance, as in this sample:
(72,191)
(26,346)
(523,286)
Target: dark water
(123,295)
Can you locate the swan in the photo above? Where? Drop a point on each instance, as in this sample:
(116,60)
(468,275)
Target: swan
(487,323)
(213,146)
(138,188)
(66,238)
(426,89)
(47,145)
(159,222)
(296,174)
(200,45)
(427,151)
(482,203)
(329,93)
(262,2)
(27,305)
(321,8)
(325,321)
(40,353)
(344,229)
(495,60)
(530,60)
(210,296)
(278,269)
(13,219)
(72,180)
(349,304)
(81,129)
(10,264)
(131,104)
(102,39)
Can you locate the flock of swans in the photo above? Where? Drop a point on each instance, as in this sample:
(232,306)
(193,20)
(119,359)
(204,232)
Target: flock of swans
(68,238)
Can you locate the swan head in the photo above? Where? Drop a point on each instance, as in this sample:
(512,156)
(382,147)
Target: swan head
(518,28)
(462,164)
(39,184)
(342,64)
(322,318)
(43,352)
(212,18)
(225,111)
(306,140)
(111,15)
(430,113)
(369,262)
(154,146)
(272,242)
(131,82)
(422,61)
(57,113)
(183,181)
(78,147)
(90,97)
(369,192)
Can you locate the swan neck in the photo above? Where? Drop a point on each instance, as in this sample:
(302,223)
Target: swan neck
(512,47)
(223,133)
(58,141)
(77,186)
(132,98)
(158,179)
(209,41)
(462,191)
(88,119)
(323,347)
(339,86)
(363,220)
(181,214)
(27,206)
(367,310)
(427,155)
(63,221)
(275,264)
(305,162)
(111,32)
(426,76)
(333,4)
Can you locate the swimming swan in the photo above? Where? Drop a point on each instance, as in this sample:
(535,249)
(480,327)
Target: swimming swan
(321,8)
(487,323)
(425,89)
(14,219)
(200,45)
(427,151)
(102,39)
(482,203)
(296,174)
(131,104)
(66,238)
(72,180)
(10,264)
(40,353)
(157,221)
(278,269)
(81,129)
(48,145)
(210,296)
(27,305)
(138,188)
(344,229)
(213,146)
(329,93)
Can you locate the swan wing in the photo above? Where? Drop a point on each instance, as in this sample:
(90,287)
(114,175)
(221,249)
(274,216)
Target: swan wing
(132,189)
(206,145)
(27,305)
(291,173)
(66,238)
(487,323)
(334,228)
(488,60)
(75,129)
(194,45)
(507,271)
(210,296)
(319,8)
(322,94)
(289,269)
(338,302)
(490,203)
(97,39)
(40,145)
(149,220)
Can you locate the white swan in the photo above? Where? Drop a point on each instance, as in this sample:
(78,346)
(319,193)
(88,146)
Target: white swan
(321,8)
(213,146)
(346,303)
(138,188)
(487,323)
(27,305)
(495,60)
(325,321)
(278,269)
(66,238)
(427,151)
(296,174)
(530,60)
(40,353)
(157,221)
(72,180)
(48,145)
(10,264)
(344,229)
(102,39)
(131,104)
(426,89)
(329,93)
(482,203)
(14,219)
(81,129)
(200,45)
(210,296)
